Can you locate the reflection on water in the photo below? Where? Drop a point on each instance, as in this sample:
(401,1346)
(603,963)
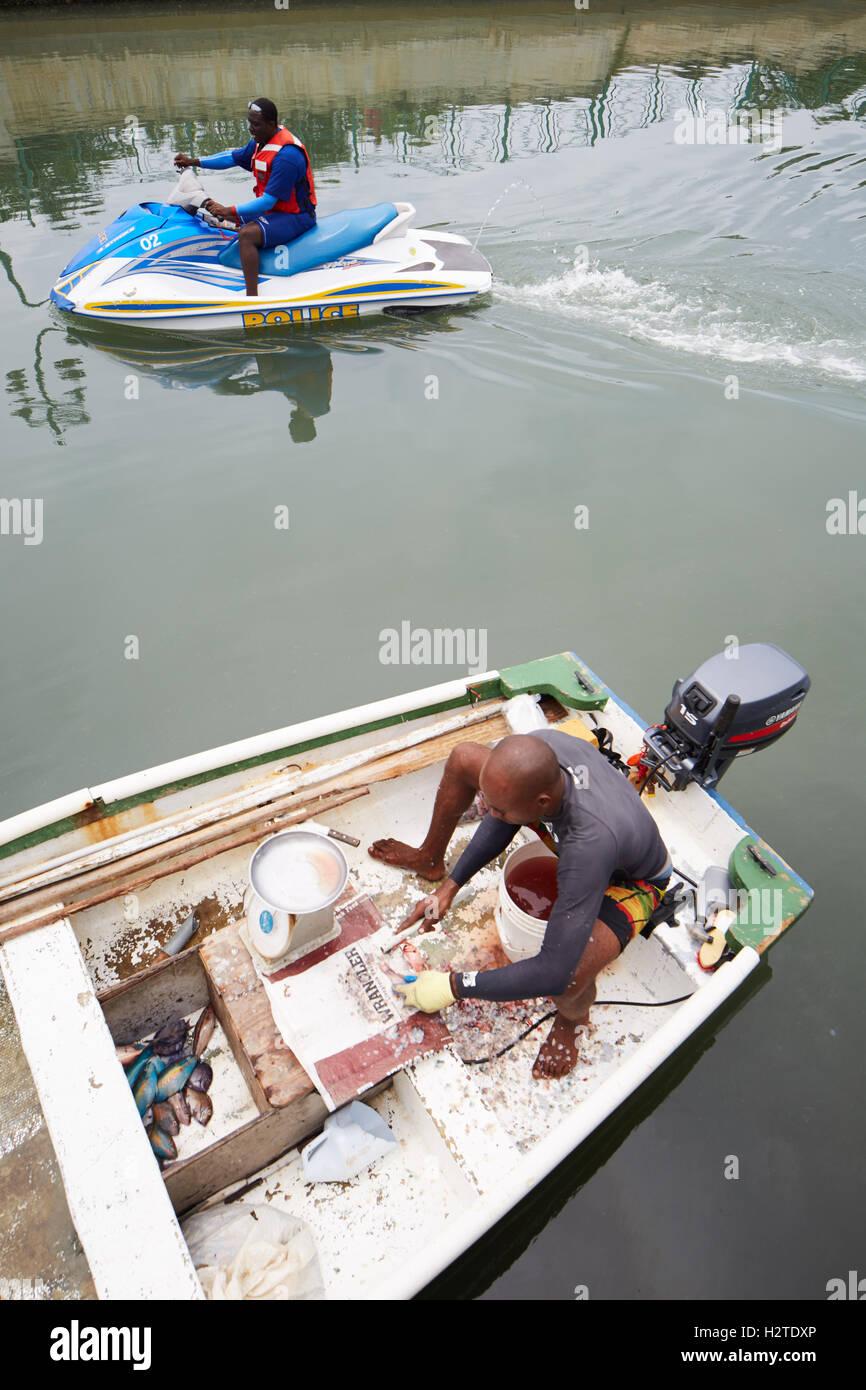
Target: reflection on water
(297,366)
(301,371)
(486,85)
(51,391)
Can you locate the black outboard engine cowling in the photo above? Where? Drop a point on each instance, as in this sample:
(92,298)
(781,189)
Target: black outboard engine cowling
(734,703)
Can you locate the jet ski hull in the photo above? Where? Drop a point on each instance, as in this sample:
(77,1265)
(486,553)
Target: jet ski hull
(162,267)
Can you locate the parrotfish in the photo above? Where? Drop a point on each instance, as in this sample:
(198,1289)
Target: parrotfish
(144,1090)
(202,1077)
(203,1030)
(175,1077)
(180,1107)
(134,1070)
(164,1117)
(127,1053)
(200,1105)
(162,1144)
(170,1038)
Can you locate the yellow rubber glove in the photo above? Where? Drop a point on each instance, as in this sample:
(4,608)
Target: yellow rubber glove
(430,992)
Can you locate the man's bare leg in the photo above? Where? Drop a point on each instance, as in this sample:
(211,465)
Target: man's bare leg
(249,240)
(558,1053)
(455,795)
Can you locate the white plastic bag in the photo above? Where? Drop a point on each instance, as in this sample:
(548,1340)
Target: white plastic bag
(352,1139)
(523,714)
(250,1251)
(188,191)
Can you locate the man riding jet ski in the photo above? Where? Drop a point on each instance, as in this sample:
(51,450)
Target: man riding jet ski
(190,263)
(285,201)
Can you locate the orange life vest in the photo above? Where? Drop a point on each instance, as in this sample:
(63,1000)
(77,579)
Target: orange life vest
(263,158)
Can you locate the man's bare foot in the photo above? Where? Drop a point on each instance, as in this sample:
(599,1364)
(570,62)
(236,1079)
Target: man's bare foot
(557,1055)
(402,856)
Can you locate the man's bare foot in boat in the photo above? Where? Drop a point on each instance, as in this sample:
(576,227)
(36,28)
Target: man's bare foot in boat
(402,856)
(558,1054)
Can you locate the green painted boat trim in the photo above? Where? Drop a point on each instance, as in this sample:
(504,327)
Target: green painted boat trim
(101,811)
(771,902)
(559,676)
(553,675)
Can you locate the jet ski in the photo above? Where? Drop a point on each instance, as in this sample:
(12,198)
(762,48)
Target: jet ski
(173,266)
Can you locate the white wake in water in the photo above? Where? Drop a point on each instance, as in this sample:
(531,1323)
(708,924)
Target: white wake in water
(655,314)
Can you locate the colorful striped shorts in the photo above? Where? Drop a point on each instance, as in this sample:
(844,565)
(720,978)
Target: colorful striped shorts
(628,905)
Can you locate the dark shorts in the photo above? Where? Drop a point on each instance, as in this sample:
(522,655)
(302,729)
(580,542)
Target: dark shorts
(281,227)
(628,904)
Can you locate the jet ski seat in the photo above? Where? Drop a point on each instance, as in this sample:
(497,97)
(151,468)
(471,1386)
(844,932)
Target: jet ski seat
(332,237)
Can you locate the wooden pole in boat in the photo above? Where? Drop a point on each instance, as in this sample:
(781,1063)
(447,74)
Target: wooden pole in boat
(223,808)
(77,882)
(382,769)
(174,865)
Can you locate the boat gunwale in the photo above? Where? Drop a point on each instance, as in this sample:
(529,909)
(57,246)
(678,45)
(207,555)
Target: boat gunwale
(90,803)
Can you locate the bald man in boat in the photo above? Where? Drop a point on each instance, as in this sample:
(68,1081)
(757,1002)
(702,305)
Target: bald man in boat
(285,203)
(612,870)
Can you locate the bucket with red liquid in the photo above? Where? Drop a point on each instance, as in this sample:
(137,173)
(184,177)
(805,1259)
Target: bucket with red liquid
(527,892)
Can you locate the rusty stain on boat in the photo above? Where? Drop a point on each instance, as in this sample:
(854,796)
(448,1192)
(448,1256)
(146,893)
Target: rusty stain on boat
(99,827)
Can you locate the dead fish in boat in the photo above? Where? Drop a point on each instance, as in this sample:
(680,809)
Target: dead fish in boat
(180,1107)
(200,1104)
(202,1077)
(127,1053)
(144,1090)
(162,1144)
(164,1117)
(171,1038)
(185,932)
(203,1030)
(175,1077)
(133,1071)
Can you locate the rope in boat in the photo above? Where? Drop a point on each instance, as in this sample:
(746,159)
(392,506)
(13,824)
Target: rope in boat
(634,1003)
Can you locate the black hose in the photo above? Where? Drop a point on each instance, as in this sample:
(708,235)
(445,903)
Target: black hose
(634,1003)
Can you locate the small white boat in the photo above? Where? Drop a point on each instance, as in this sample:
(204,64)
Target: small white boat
(160,265)
(94,884)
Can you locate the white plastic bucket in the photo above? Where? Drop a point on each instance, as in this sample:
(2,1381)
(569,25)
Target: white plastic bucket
(521,935)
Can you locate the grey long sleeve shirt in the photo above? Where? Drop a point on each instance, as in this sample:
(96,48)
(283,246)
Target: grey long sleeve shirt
(602,828)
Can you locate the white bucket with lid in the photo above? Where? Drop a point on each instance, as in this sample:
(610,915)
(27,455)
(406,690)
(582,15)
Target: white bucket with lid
(521,934)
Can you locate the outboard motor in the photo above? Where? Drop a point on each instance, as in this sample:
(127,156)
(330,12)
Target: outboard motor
(731,705)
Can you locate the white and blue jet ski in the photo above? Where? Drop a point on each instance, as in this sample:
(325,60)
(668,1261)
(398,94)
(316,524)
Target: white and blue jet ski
(170,266)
